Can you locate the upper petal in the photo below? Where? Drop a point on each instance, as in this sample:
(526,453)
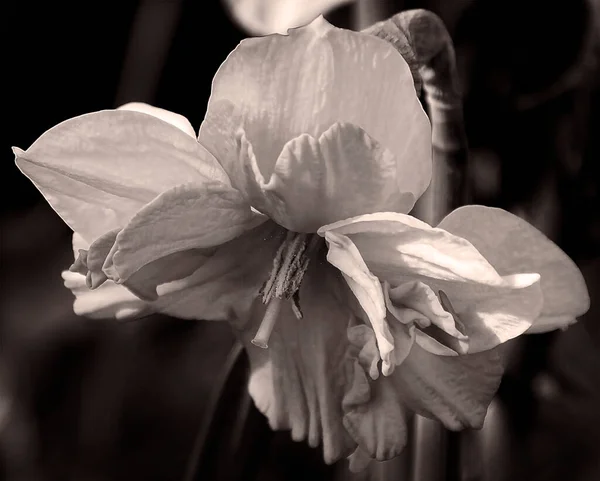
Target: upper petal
(513,245)
(177,120)
(341,174)
(98,169)
(280,87)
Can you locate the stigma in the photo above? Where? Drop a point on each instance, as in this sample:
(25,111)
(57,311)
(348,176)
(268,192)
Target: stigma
(289,267)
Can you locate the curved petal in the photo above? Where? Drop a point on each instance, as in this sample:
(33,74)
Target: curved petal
(189,216)
(343,173)
(455,390)
(513,245)
(264,17)
(438,333)
(280,87)
(107,301)
(225,284)
(177,120)
(398,249)
(378,425)
(300,380)
(98,169)
(366,287)
(405,246)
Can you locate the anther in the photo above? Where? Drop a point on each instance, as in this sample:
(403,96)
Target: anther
(289,267)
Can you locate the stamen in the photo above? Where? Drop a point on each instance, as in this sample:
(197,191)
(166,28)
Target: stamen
(289,267)
(268,323)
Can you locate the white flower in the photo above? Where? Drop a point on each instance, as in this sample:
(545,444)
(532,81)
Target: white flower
(288,217)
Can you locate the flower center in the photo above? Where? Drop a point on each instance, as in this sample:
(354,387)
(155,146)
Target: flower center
(289,266)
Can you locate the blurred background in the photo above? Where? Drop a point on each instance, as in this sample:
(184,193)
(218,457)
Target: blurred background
(98,400)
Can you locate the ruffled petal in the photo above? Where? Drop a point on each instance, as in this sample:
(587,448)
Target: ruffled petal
(366,287)
(373,412)
(398,249)
(264,17)
(186,217)
(177,120)
(455,390)
(278,88)
(300,380)
(513,245)
(439,332)
(343,173)
(99,169)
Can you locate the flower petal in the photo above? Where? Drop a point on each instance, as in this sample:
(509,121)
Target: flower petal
(398,249)
(189,216)
(400,245)
(108,301)
(513,245)
(366,287)
(98,169)
(455,390)
(415,302)
(177,120)
(343,173)
(300,380)
(379,425)
(281,87)
(225,284)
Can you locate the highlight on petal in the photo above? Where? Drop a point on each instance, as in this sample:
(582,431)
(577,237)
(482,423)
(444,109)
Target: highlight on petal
(264,17)
(98,169)
(342,174)
(366,287)
(513,245)
(399,249)
(177,120)
(188,216)
(278,88)
(401,245)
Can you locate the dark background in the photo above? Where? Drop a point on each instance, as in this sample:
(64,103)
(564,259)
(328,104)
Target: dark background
(100,400)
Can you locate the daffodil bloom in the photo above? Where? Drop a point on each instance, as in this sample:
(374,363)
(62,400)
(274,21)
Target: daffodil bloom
(288,216)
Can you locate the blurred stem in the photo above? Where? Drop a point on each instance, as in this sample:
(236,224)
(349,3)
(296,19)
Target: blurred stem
(367,12)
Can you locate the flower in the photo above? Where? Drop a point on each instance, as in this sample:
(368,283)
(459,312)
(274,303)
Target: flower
(288,217)
(264,17)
